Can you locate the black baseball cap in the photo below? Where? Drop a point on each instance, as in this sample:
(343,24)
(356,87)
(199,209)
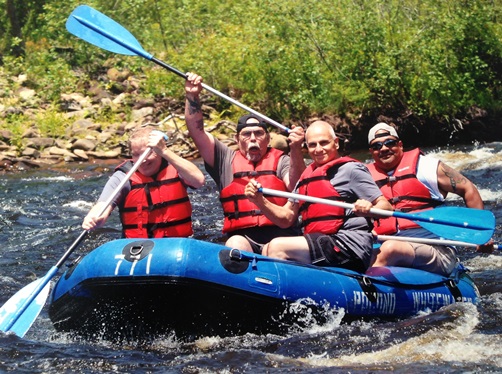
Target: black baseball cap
(243,122)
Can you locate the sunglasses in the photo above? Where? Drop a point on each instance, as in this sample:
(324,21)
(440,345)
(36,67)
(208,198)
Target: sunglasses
(389,143)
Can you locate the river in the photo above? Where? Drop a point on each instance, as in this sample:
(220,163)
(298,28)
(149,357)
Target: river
(40,216)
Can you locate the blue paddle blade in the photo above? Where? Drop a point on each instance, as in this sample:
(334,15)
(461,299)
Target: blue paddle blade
(96,28)
(457,223)
(26,319)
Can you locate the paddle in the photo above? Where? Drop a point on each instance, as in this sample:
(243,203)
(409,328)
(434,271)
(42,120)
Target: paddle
(21,310)
(382,238)
(100,30)
(445,222)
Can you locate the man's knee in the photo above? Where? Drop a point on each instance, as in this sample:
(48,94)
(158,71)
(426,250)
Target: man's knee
(274,249)
(239,242)
(394,253)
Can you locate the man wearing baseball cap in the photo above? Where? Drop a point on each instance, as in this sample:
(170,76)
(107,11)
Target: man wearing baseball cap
(245,226)
(413,182)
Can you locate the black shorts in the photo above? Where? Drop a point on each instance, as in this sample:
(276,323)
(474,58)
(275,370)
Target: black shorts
(259,236)
(328,250)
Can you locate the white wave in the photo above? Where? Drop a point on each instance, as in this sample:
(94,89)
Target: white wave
(488,156)
(439,345)
(61,178)
(484,263)
(79,204)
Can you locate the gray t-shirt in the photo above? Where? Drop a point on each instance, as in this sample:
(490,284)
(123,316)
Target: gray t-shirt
(222,170)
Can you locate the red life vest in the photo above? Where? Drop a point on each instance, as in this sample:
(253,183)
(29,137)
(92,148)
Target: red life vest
(156,208)
(239,212)
(315,181)
(404,191)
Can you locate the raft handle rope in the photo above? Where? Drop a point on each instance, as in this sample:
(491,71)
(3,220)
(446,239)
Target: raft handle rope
(135,251)
(238,255)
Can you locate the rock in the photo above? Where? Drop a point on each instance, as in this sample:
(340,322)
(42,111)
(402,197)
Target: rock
(30,152)
(84,144)
(81,154)
(60,152)
(104,137)
(144,103)
(115,153)
(141,113)
(10,153)
(31,133)
(9,111)
(120,99)
(5,163)
(98,92)
(26,94)
(6,135)
(81,127)
(279,141)
(39,143)
(115,75)
(4,146)
(74,102)
(63,143)
(21,78)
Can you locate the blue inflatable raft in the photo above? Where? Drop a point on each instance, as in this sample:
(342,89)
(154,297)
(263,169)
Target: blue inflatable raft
(138,288)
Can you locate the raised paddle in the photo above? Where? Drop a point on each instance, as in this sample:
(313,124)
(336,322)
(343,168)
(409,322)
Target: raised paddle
(456,223)
(96,28)
(22,309)
(382,238)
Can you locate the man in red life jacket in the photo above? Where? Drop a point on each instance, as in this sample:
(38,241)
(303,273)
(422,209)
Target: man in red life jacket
(245,226)
(414,182)
(333,236)
(154,204)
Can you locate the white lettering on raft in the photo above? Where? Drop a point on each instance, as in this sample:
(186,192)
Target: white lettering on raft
(385,302)
(434,300)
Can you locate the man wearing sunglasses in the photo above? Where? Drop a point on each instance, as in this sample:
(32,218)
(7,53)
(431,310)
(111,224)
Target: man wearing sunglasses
(412,182)
(245,226)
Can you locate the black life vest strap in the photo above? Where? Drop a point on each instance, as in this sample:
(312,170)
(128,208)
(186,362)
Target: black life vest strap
(312,179)
(393,179)
(156,206)
(237,215)
(233,198)
(155,183)
(253,173)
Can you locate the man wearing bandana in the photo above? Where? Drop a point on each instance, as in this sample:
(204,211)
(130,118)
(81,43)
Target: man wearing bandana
(245,226)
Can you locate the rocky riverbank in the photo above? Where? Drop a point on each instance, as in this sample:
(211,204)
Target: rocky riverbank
(91,136)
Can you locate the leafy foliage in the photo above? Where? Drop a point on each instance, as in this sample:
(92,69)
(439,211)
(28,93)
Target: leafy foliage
(290,58)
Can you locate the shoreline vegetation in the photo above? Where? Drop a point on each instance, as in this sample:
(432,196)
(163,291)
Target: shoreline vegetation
(432,69)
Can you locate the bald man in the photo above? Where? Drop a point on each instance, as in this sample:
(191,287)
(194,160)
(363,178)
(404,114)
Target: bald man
(334,236)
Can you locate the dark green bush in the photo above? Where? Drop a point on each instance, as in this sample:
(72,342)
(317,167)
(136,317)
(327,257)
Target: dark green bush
(291,58)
